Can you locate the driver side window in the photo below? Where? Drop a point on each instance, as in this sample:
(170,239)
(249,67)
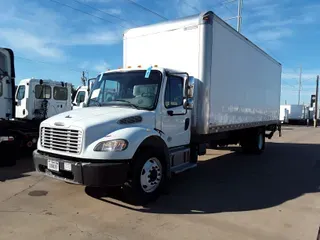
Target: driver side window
(174,92)
(80,97)
(21,92)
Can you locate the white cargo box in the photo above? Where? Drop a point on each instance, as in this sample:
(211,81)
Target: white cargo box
(237,84)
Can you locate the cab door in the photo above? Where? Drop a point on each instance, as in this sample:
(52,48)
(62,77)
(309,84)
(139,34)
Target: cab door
(176,122)
(7,84)
(80,97)
(21,101)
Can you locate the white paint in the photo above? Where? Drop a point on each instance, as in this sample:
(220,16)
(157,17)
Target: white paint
(245,83)
(100,124)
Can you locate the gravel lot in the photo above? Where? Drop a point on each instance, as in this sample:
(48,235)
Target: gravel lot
(229,196)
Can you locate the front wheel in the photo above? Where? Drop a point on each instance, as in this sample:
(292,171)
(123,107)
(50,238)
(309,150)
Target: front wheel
(147,176)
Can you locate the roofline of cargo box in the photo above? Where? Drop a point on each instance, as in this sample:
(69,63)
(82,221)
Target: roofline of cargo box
(199,18)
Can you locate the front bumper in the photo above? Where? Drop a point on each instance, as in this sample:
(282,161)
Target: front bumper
(84,172)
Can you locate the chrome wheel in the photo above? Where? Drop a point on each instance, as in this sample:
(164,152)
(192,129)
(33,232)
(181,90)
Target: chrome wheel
(151,175)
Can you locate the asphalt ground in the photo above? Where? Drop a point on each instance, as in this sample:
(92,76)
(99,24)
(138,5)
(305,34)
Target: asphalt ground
(228,196)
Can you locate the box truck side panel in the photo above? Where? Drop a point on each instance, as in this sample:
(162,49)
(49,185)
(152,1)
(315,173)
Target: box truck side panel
(245,84)
(172,45)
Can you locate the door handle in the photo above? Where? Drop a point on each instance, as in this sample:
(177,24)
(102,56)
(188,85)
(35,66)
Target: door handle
(171,113)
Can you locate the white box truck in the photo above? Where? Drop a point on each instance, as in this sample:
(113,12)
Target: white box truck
(295,114)
(185,83)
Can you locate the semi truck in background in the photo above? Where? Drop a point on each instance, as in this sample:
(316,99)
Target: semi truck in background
(185,84)
(38,99)
(23,107)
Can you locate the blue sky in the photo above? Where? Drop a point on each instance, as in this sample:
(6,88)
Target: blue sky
(54,41)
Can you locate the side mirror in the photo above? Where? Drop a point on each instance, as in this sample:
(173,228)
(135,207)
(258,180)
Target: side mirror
(188,103)
(189,87)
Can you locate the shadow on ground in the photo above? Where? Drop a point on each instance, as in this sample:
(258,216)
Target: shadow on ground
(237,182)
(20,170)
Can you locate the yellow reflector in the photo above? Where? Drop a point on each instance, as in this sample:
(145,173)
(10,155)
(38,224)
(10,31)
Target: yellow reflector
(156,65)
(139,66)
(129,66)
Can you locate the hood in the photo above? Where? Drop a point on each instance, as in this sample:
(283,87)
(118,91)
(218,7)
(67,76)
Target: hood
(93,116)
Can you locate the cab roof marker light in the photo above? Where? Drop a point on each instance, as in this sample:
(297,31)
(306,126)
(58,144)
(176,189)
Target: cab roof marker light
(156,65)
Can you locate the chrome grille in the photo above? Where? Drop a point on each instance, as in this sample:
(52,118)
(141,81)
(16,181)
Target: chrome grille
(64,140)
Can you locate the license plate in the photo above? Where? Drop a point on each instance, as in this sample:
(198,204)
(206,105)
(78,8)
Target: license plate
(53,165)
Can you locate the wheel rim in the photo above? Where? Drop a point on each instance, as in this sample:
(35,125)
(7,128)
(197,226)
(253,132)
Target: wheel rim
(260,141)
(151,175)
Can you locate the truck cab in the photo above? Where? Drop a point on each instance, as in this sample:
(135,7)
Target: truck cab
(7,85)
(140,114)
(40,98)
(82,94)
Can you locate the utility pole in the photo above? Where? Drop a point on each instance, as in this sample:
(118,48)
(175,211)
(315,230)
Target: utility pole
(299,91)
(83,78)
(239,17)
(315,118)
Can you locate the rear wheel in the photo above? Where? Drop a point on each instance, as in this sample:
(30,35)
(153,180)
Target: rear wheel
(254,142)
(147,177)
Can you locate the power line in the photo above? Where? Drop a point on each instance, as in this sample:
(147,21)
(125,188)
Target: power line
(147,9)
(97,9)
(191,6)
(52,64)
(222,3)
(84,12)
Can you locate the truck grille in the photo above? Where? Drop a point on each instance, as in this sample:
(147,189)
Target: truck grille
(64,140)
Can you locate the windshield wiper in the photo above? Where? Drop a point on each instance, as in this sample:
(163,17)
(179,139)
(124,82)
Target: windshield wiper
(96,101)
(129,103)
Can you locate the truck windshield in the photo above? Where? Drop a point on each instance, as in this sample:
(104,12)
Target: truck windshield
(133,89)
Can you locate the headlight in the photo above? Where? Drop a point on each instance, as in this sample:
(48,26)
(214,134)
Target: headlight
(117,145)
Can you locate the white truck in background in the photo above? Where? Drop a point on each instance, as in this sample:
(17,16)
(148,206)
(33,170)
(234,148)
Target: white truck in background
(82,94)
(295,114)
(185,83)
(38,99)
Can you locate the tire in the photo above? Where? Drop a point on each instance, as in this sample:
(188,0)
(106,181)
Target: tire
(10,153)
(148,176)
(254,142)
(193,154)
